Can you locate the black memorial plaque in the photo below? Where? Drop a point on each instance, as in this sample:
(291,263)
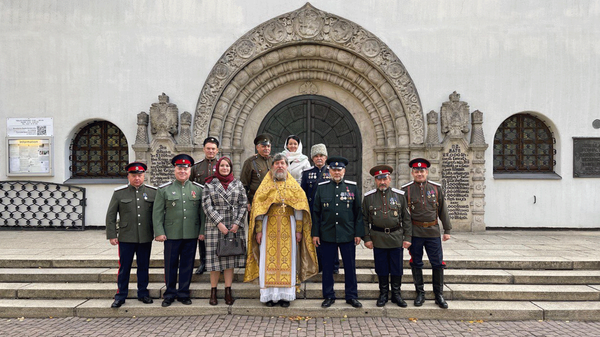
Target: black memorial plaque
(586,157)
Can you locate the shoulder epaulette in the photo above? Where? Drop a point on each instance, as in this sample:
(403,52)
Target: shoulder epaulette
(407,184)
(350,182)
(165,184)
(371,192)
(150,186)
(308,169)
(121,187)
(434,183)
(397,191)
(324,182)
(198,184)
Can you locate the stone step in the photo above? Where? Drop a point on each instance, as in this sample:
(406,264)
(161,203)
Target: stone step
(311,309)
(475,292)
(364,275)
(363,260)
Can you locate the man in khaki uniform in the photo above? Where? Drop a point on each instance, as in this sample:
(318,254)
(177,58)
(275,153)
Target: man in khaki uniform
(256,166)
(426,204)
(177,217)
(133,203)
(388,231)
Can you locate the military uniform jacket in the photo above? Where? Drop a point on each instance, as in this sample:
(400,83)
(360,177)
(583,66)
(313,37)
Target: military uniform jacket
(311,177)
(386,209)
(426,204)
(337,213)
(203,169)
(253,172)
(134,206)
(178,210)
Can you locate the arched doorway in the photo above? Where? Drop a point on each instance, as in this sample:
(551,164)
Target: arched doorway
(317,119)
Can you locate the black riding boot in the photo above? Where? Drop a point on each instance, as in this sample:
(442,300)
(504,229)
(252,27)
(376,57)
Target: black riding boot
(384,285)
(202,253)
(438,288)
(396,295)
(417,274)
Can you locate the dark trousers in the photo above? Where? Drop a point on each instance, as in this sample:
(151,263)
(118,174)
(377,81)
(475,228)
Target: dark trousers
(329,251)
(336,263)
(126,252)
(179,254)
(388,261)
(433,246)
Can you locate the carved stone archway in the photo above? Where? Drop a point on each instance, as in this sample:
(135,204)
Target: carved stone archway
(303,51)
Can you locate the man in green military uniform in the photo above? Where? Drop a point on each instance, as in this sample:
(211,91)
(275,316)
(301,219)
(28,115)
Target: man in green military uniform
(257,166)
(178,217)
(338,224)
(426,205)
(200,171)
(133,203)
(388,231)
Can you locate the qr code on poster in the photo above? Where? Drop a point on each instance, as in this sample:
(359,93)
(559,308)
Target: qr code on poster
(41,130)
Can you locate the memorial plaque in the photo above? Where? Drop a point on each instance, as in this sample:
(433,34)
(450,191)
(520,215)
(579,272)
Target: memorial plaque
(586,157)
(161,170)
(456,182)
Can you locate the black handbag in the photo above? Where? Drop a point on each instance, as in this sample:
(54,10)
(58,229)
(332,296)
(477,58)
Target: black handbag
(231,246)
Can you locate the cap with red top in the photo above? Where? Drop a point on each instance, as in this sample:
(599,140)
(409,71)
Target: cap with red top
(381,171)
(182,160)
(136,167)
(419,164)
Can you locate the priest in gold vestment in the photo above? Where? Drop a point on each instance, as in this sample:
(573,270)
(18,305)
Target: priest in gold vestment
(281,253)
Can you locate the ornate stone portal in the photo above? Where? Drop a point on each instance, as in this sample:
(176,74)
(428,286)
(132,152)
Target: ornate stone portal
(309,51)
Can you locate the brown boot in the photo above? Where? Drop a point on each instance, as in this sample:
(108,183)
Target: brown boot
(228,297)
(213,296)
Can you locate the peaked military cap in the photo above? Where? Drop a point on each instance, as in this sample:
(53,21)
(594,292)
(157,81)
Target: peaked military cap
(419,164)
(136,167)
(381,171)
(263,139)
(182,160)
(337,162)
(211,140)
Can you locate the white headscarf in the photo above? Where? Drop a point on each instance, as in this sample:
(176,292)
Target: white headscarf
(294,157)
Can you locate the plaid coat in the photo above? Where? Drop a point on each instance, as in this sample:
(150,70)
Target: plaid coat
(229,207)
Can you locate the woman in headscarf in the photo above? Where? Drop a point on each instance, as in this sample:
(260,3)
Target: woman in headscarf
(224,201)
(298,161)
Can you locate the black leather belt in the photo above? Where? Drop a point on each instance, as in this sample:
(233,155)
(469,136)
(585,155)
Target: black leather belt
(385,230)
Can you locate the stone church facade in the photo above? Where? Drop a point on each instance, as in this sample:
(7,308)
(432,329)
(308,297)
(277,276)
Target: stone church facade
(328,79)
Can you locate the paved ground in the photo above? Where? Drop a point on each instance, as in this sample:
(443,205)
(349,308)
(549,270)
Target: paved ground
(240,326)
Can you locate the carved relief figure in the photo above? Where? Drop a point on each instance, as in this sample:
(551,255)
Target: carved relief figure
(455,117)
(164,117)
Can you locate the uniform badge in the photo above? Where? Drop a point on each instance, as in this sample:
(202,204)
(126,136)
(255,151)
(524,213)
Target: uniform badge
(395,213)
(145,196)
(393,201)
(174,203)
(194,194)
(173,192)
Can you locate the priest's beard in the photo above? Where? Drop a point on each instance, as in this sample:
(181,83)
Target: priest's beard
(280,175)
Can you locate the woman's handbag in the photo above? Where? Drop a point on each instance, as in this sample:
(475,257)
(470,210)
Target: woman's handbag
(231,246)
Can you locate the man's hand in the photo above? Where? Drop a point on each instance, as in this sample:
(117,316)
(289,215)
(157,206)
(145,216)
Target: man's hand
(369,244)
(406,244)
(114,241)
(316,241)
(201,237)
(298,237)
(161,238)
(259,238)
(446,237)
(357,240)
(249,208)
